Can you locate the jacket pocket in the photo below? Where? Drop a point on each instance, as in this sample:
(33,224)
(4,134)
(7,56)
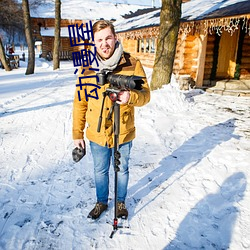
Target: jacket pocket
(127,120)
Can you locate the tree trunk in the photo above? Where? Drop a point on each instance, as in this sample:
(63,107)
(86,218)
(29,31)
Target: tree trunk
(56,59)
(29,38)
(3,57)
(168,34)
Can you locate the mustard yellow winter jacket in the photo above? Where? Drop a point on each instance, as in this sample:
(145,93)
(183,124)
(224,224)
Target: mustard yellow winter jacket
(89,111)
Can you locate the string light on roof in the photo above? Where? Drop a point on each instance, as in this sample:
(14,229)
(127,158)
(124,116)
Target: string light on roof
(218,25)
(205,27)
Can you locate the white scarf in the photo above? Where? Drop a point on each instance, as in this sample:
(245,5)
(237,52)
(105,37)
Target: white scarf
(111,63)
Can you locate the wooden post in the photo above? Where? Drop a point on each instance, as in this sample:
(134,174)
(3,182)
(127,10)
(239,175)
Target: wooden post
(144,45)
(201,60)
(140,42)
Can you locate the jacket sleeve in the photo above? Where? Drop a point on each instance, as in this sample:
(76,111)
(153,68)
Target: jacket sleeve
(141,97)
(79,113)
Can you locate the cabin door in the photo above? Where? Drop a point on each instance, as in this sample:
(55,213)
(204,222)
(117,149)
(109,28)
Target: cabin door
(227,55)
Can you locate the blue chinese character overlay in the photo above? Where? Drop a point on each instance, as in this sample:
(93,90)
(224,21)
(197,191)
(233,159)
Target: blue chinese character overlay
(87,95)
(78,35)
(85,58)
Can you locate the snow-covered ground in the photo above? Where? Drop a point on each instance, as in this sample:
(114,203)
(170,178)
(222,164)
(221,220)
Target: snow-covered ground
(189,170)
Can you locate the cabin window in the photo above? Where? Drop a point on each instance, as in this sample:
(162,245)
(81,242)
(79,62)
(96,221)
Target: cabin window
(140,45)
(152,45)
(146,45)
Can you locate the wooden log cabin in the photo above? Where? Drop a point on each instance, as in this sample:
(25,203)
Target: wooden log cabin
(212,45)
(43,30)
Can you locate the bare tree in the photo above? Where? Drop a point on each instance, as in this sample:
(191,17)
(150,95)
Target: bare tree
(34,4)
(56,59)
(168,34)
(11,16)
(3,57)
(29,38)
(11,24)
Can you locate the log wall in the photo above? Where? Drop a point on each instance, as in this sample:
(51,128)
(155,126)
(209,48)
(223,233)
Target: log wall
(48,45)
(134,48)
(186,56)
(179,59)
(245,60)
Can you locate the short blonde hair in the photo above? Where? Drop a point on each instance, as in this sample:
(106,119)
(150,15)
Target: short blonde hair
(103,24)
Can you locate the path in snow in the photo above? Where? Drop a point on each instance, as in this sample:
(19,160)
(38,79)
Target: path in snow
(189,172)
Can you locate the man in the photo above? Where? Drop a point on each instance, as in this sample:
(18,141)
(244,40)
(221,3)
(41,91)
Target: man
(110,56)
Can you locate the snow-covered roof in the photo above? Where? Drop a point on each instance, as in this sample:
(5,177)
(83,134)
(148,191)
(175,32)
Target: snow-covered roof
(205,9)
(51,30)
(145,20)
(191,11)
(85,10)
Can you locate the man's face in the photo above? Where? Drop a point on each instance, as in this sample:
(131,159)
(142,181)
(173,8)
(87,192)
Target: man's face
(105,42)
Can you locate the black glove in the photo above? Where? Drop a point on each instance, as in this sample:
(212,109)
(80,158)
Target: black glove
(78,153)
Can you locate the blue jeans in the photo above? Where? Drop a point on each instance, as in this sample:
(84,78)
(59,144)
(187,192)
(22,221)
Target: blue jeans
(102,157)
